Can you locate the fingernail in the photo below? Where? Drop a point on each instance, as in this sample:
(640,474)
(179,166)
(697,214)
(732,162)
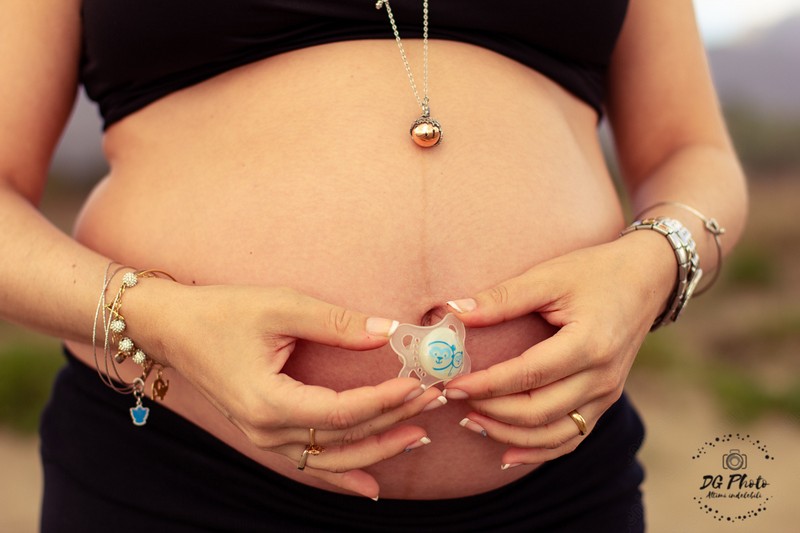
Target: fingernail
(455,394)
(509,465)
(381,326)
(473,426)
(438,402)
(417,444)
(463,306)
(375,498)
(416,393)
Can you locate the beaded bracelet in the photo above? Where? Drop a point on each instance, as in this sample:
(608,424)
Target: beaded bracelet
(114,327)
(689,271)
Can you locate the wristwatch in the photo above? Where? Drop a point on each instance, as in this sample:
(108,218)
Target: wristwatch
(689,271)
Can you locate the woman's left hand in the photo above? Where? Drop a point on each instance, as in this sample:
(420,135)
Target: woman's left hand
(603,299)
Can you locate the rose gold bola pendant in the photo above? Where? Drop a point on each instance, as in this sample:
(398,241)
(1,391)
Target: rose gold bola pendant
(426,132)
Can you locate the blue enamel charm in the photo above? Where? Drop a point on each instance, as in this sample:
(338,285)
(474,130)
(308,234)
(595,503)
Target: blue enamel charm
(139,414)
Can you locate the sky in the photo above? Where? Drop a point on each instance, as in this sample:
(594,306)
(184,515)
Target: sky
(722,21)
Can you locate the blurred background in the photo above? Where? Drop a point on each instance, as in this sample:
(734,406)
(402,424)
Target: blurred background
(730,365)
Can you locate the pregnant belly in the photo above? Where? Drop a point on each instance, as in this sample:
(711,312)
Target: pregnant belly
(388,230)
(386,248)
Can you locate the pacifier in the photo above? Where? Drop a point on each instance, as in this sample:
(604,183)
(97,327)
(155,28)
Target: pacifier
(434,353)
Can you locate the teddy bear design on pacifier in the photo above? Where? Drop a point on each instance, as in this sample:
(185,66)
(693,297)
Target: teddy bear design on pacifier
(434,353)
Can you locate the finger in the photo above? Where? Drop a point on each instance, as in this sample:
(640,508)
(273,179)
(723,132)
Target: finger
(559,444)
(550,360)
(431,399)
(547,437)
(534,456)
(307,318)
(515,297)
(300,405)
(361,454)
(428,400)
(543,405)
(553,435)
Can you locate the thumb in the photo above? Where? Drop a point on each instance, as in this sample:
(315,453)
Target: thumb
(307,318)
(510,299)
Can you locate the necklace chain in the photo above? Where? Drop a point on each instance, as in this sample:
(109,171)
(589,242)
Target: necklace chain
(423,102)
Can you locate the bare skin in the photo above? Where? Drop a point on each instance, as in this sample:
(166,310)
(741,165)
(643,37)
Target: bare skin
(397,238)
(258,179)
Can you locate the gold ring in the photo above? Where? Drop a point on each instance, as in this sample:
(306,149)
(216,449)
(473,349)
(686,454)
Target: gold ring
(579,421)
(312,449)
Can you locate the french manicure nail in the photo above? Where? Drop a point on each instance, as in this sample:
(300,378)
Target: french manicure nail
(416,393)
(463,306)
(509,465)
(383,327)
(375,498)
(418,443)
(455,394)
(438,402)
(473,426)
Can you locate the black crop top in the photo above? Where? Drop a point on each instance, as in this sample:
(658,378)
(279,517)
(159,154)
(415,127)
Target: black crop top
(136,51)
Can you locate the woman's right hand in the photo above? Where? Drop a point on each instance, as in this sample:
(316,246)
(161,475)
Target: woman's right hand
(231,343)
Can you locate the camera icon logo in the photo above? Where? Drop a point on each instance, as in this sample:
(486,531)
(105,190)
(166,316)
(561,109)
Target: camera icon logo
(734,460)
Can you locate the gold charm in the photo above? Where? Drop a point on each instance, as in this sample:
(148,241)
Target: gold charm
(159,388)
(426,132)
(147,367)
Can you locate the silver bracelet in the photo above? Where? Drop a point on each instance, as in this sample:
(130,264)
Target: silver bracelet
(689,271)
(711,226)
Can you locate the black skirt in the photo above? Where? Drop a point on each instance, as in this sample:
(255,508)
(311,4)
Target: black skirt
(103,474)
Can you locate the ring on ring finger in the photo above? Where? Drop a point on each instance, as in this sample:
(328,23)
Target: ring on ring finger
(579,421)
(311,449)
